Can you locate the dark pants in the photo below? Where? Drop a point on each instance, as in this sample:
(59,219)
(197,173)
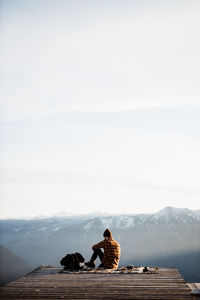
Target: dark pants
(98,253)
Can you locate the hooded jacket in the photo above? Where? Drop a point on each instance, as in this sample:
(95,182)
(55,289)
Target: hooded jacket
(112,250)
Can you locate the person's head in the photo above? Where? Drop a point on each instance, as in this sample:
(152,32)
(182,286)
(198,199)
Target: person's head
(107,233)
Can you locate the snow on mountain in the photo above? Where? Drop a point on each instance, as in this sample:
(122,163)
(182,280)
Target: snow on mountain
(88,226)
(107,222)
(172,212)
(17,229)
(166,215)
(126,220)
(44,227)
(176,214)
(56,229)
(195,214)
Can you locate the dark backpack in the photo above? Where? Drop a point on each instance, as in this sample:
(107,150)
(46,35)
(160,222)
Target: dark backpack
(72,261)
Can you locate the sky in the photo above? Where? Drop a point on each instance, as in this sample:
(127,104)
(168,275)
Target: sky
(100,106)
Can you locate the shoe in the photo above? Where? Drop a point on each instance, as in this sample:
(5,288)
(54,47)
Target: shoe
(145,270)
(90,264)
(101,266)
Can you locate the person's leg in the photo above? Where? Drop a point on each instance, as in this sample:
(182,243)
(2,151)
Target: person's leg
(97,253)
(101,255)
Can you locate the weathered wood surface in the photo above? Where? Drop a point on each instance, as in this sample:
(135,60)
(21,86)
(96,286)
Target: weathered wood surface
(49,284)
(194,285)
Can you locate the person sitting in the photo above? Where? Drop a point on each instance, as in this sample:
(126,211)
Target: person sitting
(111,255)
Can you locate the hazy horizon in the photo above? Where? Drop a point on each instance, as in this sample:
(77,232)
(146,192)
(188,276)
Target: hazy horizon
(63,214)
(100,106)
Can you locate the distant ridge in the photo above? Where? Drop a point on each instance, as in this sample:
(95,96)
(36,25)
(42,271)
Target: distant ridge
(168,210)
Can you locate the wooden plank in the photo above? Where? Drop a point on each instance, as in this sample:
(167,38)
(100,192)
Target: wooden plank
(48,284)
(197,285)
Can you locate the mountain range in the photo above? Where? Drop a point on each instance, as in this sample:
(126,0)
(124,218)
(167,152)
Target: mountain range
(170,237)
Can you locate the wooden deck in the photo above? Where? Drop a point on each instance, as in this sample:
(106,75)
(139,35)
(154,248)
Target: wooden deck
(47,283)
(194,286)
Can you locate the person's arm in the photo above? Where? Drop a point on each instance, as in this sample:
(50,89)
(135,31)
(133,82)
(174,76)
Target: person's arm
(99,245)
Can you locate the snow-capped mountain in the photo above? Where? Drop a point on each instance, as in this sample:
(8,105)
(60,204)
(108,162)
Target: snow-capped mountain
(170,236)
(169,214)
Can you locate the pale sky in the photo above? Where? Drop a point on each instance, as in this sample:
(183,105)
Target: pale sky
(100,106)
